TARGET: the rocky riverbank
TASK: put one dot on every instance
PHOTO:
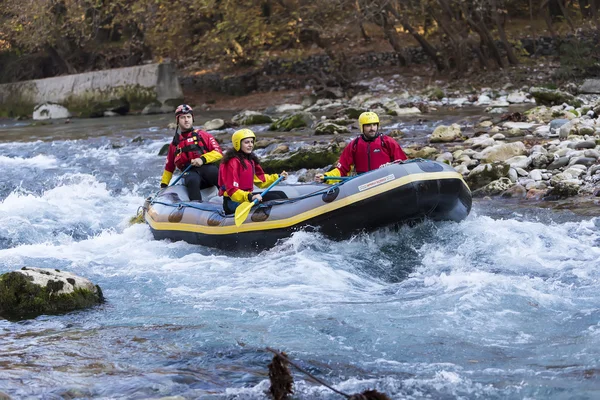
(548, 151)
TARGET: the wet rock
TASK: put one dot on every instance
(550, 97)
(519, 162)
(562, 189)
(30, 292)
(50, 111)
(251, 118)
(501, 152)
(515, 191)
(539, 160)
(426, 152)
(294, 121)
(445, 133)
(305, 158)
(587, 161)
(164, 150)
(558, 163)
(329, 128)
(483, 174)
(214, 124)
(493, 188)
(584, 144)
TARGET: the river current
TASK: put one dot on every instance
(504, 305)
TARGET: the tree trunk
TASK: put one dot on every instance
(361, 22)
(545, 9)
(512, 59)
(566, 14)
(392, 37)
(427, 47)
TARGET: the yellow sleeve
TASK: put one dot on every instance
(269, 179)
(212, 156)
(333, 172)
(166, 177)
(240, 196)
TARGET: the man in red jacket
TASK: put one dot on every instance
(192, 147)
(367, 152)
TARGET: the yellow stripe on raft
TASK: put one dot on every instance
(296, 219)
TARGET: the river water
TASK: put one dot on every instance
(504, 305)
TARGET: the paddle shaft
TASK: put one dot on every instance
(242, 211)
(181, 175)
(337, 178)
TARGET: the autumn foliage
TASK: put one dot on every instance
(42, 38)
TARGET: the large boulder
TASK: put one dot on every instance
(551, 97)
(294, 121)
(30, 292)
(501, 152)
(445, 133)
(483, 174)
(305, 158)
(251, 118)
(330, 128)
(50, 111)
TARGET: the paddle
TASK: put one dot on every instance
(181, 175)
(242, 211)
(337, 178)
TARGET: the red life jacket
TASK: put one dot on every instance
(233, 176)
(370, 155)
(186, 149)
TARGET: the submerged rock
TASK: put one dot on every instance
(31, 292)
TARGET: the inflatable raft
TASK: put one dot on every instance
(398, 193)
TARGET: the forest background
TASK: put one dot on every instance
(42, 38)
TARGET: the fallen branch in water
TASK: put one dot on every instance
(285, 376)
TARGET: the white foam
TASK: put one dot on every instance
(39, 161)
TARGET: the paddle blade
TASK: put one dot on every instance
(241, 212)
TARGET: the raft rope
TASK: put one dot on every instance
(278, 202)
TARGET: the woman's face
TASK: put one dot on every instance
(247, 145)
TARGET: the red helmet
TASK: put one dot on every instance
(183, 109)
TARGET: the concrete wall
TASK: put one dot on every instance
(152, 81)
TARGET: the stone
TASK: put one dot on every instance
(329, 128)
(293, 121)
(251, 118)
(561, 190)
(515, 191)
(50, 111)
(548, 97)
(486, 173)
(493, 188)
(590, 86)
(214, 124)
(445, 133)
(30, 292)
(501, 152)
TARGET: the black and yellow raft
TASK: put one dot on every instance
(398, 193)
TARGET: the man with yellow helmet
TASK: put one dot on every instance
(367, 152)
(192, 147)
(240, 171)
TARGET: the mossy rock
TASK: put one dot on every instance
(251, 118)
(164, 150)
(330, 128)
(22, 297)
(352, 113)
(301, 159)
(484, 174)
(294, 121)
(553, 97)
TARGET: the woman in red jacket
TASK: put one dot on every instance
(240, 171)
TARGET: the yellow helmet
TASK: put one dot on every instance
(240, 135)
(367, 118)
